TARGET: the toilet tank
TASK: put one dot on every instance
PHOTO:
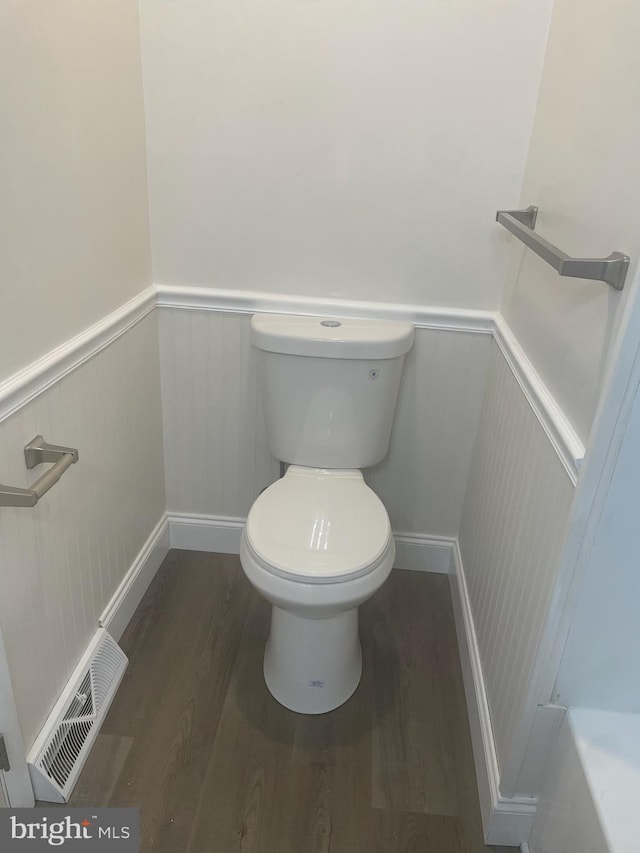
(329, 387)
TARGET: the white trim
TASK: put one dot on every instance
(505, 820)
(486, 759)
(249, 302)
(127, 597)
(212, 533)
(424, 553)
(32, 380)
(560, 432)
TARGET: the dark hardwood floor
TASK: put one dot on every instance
(217, 765)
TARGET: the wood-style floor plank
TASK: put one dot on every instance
(248, 764)
(408, 832)
(331, 773)
(102, 770)
(418, 699)
(216, 764)
(422, 755)
(190, 632)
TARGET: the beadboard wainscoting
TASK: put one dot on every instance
(517, 507)
(216, 456)
(63, 560)
(163, 401)
(423, 478)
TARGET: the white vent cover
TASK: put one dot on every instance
(57, 756)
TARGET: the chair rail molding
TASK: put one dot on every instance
(29, 382)
(560, 432)
(250, 302)
(20, 388)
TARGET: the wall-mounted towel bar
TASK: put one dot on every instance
(613, 269)
(36, 452)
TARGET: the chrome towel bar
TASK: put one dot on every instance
(36, 452)
(521, 223)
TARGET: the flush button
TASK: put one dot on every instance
(332, 324)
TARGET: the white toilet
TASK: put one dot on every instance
(317, 543)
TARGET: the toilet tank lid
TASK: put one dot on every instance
(331, 337)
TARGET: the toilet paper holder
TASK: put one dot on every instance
(36, 452)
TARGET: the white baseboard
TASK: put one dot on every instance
(505, 821)
(216, 534)
(127, 597)
(424, 553)
(222, 534)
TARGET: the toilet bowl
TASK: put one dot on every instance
(318, 542)
(316, 545)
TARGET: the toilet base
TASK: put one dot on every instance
(312, 666)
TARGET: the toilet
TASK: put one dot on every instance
(317, 543)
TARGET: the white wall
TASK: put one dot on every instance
(599, 666)
(61, 561)
(517, 504)
(582, 173)
(73, 215)
(216, 457)
(357, 151)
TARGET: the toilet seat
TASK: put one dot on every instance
(318, 526)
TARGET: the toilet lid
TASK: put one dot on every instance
(318, 525)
